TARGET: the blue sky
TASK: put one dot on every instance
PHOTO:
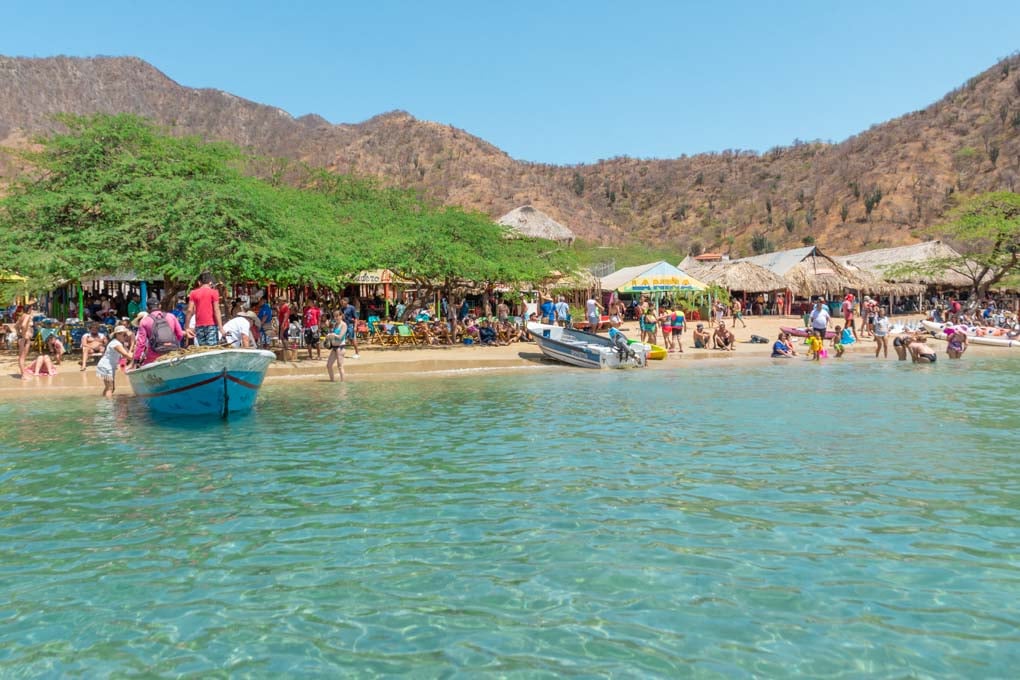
(557, 82)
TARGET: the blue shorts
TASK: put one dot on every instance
(207, 335)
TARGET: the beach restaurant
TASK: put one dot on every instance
(655, 279)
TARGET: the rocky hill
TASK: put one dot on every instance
(874, 189)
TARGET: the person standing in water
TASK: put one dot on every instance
(336, 340)
(881, 332)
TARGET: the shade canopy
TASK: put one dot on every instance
(743, 276)
(651, 278)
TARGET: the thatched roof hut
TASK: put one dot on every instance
(740, 275)
(876, 262)
(529, 221)
(810, 272)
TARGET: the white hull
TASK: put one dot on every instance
(938, 330)
(586, 350)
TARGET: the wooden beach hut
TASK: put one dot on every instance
(740, 277)
(531, 222)
(878, 262)
(809, 272)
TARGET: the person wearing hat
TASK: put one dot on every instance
(106, 369)
(238, 331)
(548, 310)
(700, 337)
(137, 321)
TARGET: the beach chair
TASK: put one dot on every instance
(374, 334)
(405, 336)
(361, 328)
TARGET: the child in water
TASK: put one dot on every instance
(837, 342)
(815, 346)
(842, 338)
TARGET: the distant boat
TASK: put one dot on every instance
(213, 382)
(586, 350)
(977, 335)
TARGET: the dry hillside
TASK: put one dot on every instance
(871, 190)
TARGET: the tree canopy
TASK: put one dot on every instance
(985, 229)
(114, 194)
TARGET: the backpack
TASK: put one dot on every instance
(162, 338)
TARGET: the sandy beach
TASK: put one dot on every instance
(381, 363)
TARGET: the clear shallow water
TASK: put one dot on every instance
(839, 520)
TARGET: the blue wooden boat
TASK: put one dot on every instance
(214, 382)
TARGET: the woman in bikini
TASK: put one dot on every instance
(957, 344)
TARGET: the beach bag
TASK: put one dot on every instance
(162, 338)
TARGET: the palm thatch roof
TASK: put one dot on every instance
(878, 261)
(740, 275)
(810, 272)
(529, 221)
(578, 280)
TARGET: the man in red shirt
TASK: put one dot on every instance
(204, 306)
(311, 324)
(283, 321)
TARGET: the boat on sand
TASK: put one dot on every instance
(804, 332)
(978, 335)
(202, 381)
(587, 350)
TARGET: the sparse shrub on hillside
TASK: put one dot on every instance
(696, 248)
(855, 188)
(808, 240)
(699, 179)
(790, 223)
(578, 184)
(760, 243)
(871, 201)
(993, 153)
(844, 212)
(809, 217)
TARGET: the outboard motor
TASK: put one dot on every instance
(620, 344)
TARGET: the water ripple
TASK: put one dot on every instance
(837, 520)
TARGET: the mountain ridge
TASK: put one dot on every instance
(876, 188)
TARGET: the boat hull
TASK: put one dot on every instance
(803, 332)
(208, 383)
(973, 337)
(583, 349)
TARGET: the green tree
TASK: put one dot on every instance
(985, 229)
(115, 194)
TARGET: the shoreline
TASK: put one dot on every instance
(387, 363)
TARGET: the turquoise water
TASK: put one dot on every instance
(846, 520)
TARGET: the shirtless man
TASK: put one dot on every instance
(92, 343)
(723, 338)
(25, 328)
(700, 337)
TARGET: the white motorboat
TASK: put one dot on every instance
(587, 350)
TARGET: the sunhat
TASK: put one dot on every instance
(138, 318)
(120, 329)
